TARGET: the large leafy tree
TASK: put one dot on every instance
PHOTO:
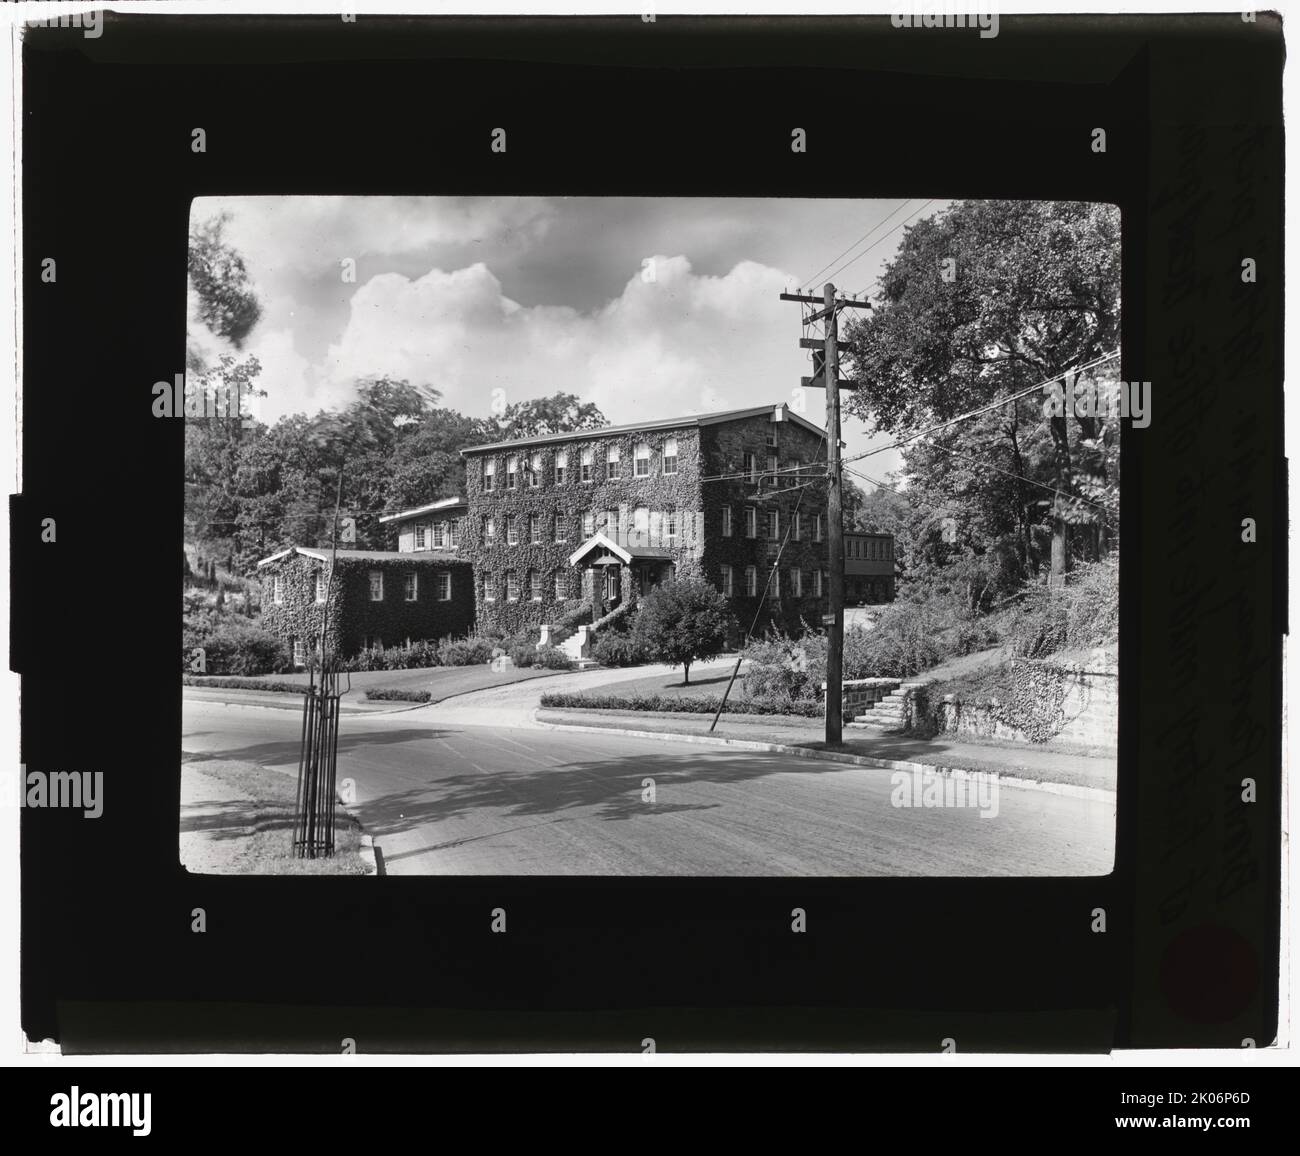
(536, 417)
(227, 303)
(981, 301)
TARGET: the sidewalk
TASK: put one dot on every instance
(1047, 765)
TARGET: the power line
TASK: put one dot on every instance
(807, 282)
(883, 239)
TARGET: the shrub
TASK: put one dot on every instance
(1082, 613)
(779, 668)
(396, 694)
(679, 704)
(614, 649)
(523, 655)
(233, 645)
(245, 684)
(552, 658)
(682, 621)
(464, 651)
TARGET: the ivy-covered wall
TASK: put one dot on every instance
(724, 449)
(353, 616)
(570, 500)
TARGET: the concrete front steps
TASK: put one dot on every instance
(889, 715)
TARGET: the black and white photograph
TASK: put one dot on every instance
(618, 536)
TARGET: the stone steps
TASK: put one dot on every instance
(890, 713)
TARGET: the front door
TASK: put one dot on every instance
(611, 586)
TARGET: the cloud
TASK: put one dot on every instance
(671, 342)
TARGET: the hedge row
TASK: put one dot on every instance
(395, 694)
(245, 684)
(707, 704)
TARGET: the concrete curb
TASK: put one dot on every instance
(1069, 790)
(367, 853)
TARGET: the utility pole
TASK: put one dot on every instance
(826, 375)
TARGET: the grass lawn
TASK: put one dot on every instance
(440, 681)
(237, 819)
(705, 684)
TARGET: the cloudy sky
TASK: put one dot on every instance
(649, 307)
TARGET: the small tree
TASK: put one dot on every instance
(683, 621)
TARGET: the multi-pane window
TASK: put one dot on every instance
(588, 524)
(612, 464)
(512, 472)
(751, 581)
(670, 456)
(561, 466)
(774, 523)
(796, 583)
(727, 581)
(751, 467)
(535, 585)
(412, 591)
(640, 525)
(512, 586)
(453, 533)
(796, 526)
(534, 529)
(512, 534)
(376, 585)
(489, 531)
(489, 587)
(751, 522)
(821, 582)
(420, 535)
(586, 464)
(299, 651)
(726, 521)
(817, 527)
(560, 534)
(441, 533)
(442, 585)
(771, 437)
(321, 584)
(774, 585)
(489, 474)
(611, 525)
(641, 461)
(771, 463)
(535, 470)
(561, 586)
(670, 522)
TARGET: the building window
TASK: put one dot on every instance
(641, 461)
(774, 523)
(751, 581)
(512, 471)
(821, 581)
(557, 528)
(774, 585)
(442, 585)
(535, 471)
(534, 529)
(771, 436)
(751, 467)
(561, 586)
(641, 526)
(489, 587)
(490, 532)
(512, 587)
(726, 521)
(670, 456)
(412, 586)
(489, 474)
(771, 464)
(453, 533)
(535, 585)
(441, 534)
(586, 464)
(796, 526)
(612, 464)
(420, 535)
(796, 583)
(376, 585)
(588, 524)
(751, 522)
(611, 525)
(670, 520)
(727, 581)
(277, 588)
(512, 534)
(299, 650)
(817, 527)
(561, 467)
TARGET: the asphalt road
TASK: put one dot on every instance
(443, 793)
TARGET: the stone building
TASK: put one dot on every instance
(590, 520)
(868, 568)
(378, 598)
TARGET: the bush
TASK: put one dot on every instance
(679, 704)
(1082, 613)
(779, 668)
(233, 645)
(464, 651)
(395, 694)
(552, 658)
(614, 649)
(683, 621)
(245, 684)
(523, 655)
